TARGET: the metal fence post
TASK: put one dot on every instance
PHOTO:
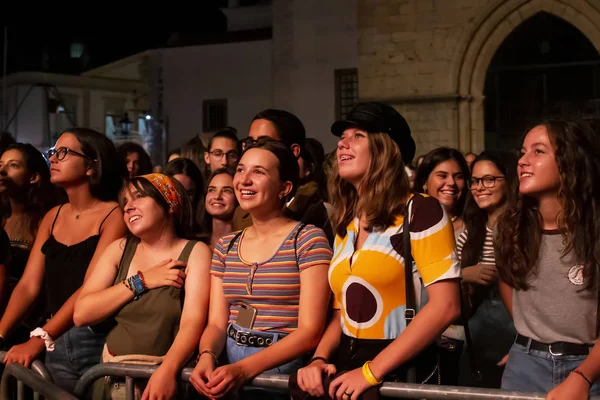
(47, 389)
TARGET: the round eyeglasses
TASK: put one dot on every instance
(488, 181)
(62, 152)
(232, 155)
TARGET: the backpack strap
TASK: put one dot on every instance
(411, 306)
(232, 241)
(300, 228)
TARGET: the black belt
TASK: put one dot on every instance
(251, 339)
(557, 348)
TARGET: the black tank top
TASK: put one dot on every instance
(66, 266)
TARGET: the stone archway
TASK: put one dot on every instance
(479, 45)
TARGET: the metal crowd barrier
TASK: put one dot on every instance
(395, 390)
(47, 389)
(36, 366)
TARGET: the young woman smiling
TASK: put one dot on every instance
(269, 291)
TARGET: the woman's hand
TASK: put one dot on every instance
(481, 274)
(25, 353)
(162, 385)
(349, 385)
(573, 388)
(225, 379)
(166, 273)
(203, 369)
(310, 378)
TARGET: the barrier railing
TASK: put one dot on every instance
(396, 390)
(36, 366)
(47, 389)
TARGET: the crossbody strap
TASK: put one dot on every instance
(411, 306)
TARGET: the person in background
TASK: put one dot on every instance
(469, 158)
(135, 158)
(187, 173)
(173, 154)
(26, 195)
(220, 205)
(194, 150)
(306, 205)
(223, 150)
(69, 241)
(420, 160)
(269, 294)
(547, 254)
(492, 185)
(155, 322)
(443, 174)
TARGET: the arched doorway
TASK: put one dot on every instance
(545, 67)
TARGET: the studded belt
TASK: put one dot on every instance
(250, 339)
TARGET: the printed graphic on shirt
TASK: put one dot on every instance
(576, 275)
(368, 283)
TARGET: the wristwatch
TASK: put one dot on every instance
(137, 284)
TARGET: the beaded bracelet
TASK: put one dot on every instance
(142, 279)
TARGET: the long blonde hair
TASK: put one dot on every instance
(383, 190)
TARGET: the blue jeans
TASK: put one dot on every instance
(235, 353)
(75, 352)
(539, 371)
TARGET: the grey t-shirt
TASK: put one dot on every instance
(554, 309)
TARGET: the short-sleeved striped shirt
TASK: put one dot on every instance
(275, 288)
(487, 254)
(368, 283)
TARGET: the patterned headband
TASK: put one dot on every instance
(167, 188)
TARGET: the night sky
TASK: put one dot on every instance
(46, 45)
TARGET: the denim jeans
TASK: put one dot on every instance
(539, 371)
(234, 353)
(75, 352)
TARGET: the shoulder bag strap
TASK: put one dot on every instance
(411, 306)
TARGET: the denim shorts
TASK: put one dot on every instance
(75, 352)
(539, 371)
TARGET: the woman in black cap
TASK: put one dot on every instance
(367, 340)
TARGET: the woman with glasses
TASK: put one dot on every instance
(494, 175)
(70, 239)
(222, 151)
(269, 294)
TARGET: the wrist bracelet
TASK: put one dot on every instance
(366, 370)
(143, 280)
(214, 356)
(578, 372)
(312, 360)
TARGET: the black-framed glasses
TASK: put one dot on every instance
(488, 181)
(232, 155)
(62, 152)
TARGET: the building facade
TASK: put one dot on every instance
(473, 74)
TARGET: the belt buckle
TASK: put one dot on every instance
(552, 352)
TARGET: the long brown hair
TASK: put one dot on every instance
(519, 235)
(383, 190)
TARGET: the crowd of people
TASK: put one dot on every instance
(341, 270)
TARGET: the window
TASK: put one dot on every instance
(214, 115)
(346, 91)
(77, 50)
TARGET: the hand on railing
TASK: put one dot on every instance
(310, 377)
(165, 273)
(25, 353)
(162, 385)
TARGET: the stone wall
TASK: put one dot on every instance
(429, 58)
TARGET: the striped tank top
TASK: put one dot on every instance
(272, 287)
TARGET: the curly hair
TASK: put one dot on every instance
(383, 189)
(475, 218)
(577, 155)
